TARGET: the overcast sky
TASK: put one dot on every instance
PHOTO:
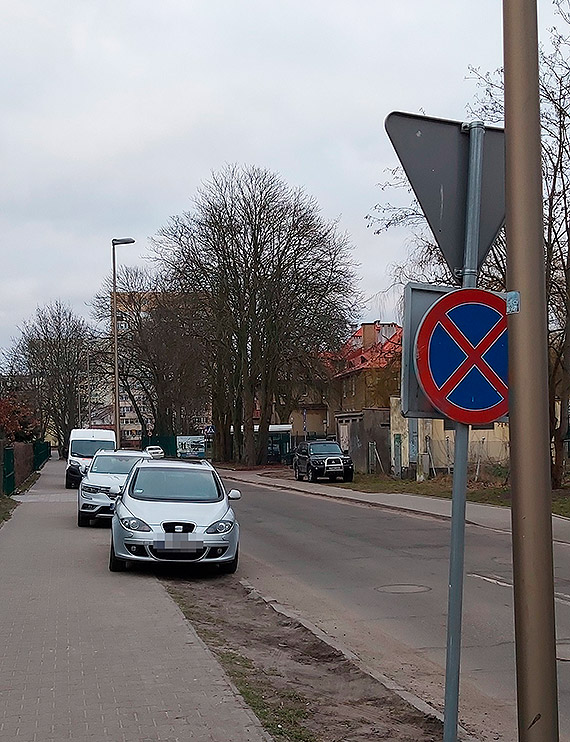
(114, 111)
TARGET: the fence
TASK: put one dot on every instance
(42, 452)
(19, 461)
(9, 472)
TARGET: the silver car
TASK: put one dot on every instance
(174, 511)
(107, 471)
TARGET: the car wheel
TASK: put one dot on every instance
(82, 519)
(228, 568)
(298, 475)
(348, 477)
(115, 564)
(311, 476)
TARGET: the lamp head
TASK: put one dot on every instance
(122, 241)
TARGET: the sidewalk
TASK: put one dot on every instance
(91, 656)
(486, 516)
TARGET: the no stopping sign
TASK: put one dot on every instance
(461, 356)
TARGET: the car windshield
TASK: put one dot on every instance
(87, 449)
(325, 448)
(179, 485)
(113, 464)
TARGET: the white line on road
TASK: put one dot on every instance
(560, 597)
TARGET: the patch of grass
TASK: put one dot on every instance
(438, 487)
(29, 482)
(7, 505)
(281, 713)
(481, 492)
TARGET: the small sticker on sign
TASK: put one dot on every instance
(513, 302)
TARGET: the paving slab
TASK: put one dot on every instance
(91, 656)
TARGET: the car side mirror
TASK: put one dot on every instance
(234, 495)
(115, 490)
(345, 452)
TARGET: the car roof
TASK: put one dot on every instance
(175, 464)
(121, 452)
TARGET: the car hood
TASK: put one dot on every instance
(105, 480)
(154, 512)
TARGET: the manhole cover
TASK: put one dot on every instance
(563, 651)
(403, 589)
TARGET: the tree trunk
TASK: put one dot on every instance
(248, 433)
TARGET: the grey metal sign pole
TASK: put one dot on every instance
(535, 637)
(455, 597)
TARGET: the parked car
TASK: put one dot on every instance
(273, 453)
(314, 459)
(174, 511)
(108, 469)
(156, 452)
(83, 444)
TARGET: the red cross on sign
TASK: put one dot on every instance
(461, 356)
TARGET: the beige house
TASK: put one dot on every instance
(422, 446)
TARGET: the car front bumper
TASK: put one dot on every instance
(323, 469)
(158, 546)
(98, 506)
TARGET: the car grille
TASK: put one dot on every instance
(171, 527)
(170, 554)
(333, 461)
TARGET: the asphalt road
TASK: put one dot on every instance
(376, 580)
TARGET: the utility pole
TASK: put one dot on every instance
(535, 637)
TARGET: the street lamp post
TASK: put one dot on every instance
(114, 243)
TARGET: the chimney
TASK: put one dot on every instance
(368, 334)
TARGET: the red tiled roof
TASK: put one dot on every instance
(376, 356)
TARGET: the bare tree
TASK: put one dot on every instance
(50, 356)
(276, 286)
(161, 352)
(425, 259)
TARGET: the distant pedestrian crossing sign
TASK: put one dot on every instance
(461, 356)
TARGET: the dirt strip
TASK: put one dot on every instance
(301, 689)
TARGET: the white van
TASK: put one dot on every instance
(83, 445)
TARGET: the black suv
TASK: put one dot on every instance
(315, 459)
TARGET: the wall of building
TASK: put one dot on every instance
(436, 439)
(313, 421)
(356, 430)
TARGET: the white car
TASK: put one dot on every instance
(156, 452)
(83, 445)
(108, 471)
(174, 511)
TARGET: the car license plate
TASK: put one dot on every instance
(179, 542)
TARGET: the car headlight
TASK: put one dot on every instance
(221, 526)
(73, 462)
(134, 524)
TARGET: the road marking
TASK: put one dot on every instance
(560, 597)
(494, 580)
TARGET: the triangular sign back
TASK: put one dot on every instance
(435, 156)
